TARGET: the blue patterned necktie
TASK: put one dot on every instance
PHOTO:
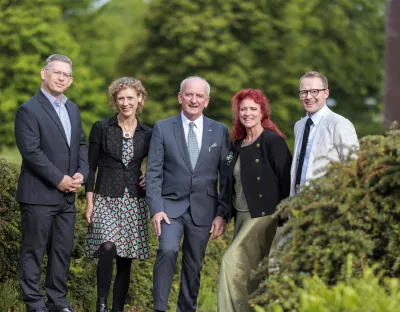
(193, 145)
(65, 121)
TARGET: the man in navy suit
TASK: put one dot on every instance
(49, 136)
(187, 153)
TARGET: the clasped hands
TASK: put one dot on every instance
(218, 225)
(71, 184)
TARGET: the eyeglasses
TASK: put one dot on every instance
(58, 73)
(313, 92)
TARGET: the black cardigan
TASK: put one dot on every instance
(265, 173)
(105, 154)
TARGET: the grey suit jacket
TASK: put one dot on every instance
(46, 156)
(334, 140)
(171, 183)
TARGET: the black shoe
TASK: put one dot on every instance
(69, 309)
(43, 309)
(101, 305)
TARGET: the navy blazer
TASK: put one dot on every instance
(46, 156)
(171, 183)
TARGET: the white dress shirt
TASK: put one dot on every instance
(316, 119)
(198, 129)
(64, 116)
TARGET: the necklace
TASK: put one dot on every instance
(126, 133)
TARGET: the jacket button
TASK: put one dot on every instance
(257, 160)
(260, 195)
(258, 178)
(191, 192)
(258, 145)
(263, 213)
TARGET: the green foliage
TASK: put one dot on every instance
(82, 275)
(369, 293)
(9, 296)
(104, 34)
(29, 32)
(11, 155)
(261, 44)
(10, 234)
(354, 209)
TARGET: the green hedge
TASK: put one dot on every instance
(369, 293)
(10, 234)
(82, 275)
(354, 209)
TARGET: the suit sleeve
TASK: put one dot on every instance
(345, 139)
(94, 151)
(83, 167)
(27, 135)
(281, 160)
(154, 171)
(223, 200)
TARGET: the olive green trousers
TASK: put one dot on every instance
(251, 243)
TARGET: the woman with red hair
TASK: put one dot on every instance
(259, 174)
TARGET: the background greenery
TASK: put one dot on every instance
(353, 210)
(265, 44)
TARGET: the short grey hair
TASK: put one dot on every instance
(58, 57)
(195, 77)
(315, 74)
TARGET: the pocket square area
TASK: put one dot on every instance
(214, 145)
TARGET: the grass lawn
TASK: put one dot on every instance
(11, 154)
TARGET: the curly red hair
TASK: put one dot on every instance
(238, 130)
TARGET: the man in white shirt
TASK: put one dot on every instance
(187, 152)
(321, 136)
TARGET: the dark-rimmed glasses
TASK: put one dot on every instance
(313, 92)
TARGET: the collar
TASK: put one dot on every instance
(316, 118)
(114, 121)
(52, 99)
(198, 122)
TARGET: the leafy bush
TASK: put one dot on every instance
(82, 275)
(354, 209)
(10, 234)
(370, 293)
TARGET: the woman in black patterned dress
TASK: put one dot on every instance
(116, 207)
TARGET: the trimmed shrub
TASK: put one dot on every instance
(82, 275)
(370, 293)
(353, 209)
(10, 235)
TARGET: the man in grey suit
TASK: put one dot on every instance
(321, 136)
(49, 136)
(187, 152)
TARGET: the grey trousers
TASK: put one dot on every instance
(195, 239)
(252, 242)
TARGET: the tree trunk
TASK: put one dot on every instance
(392, 56)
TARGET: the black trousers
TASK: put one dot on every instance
(46, 229)
(195, 239)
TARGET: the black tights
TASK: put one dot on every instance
(108, 252)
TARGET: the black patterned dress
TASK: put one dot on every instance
(122, 221)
